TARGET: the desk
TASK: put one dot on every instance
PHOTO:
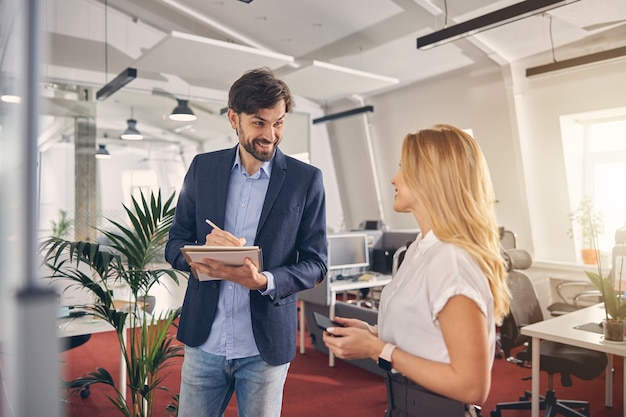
(561, 329)
(342, 286)
(74, 326)
(88, 324)
(335, 287)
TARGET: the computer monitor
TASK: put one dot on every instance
(348, 250)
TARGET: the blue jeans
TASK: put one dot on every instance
(208, 382)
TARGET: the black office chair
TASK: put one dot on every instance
(555, 358)
(71, 342)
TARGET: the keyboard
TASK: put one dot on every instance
(70, 312)
(358, 277)
(341, 277)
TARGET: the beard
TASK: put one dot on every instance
(260, 155)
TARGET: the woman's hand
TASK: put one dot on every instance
(355, 341)
(360, 324)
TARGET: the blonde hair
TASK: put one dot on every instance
(445, 169)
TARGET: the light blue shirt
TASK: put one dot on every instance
(231, 334)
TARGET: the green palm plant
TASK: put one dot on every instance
(62, 227)
(149, 347)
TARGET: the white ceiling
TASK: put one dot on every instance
(325, 49)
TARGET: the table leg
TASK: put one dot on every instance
(608, 381)
(302, 328)
(331, 314)
(536, 346)
(123, 364)
(624, 388)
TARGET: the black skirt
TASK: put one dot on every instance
(405, 398)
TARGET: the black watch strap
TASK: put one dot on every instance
(384, 359)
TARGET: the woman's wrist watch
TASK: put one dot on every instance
(384, 359)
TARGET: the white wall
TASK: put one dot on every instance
(540, 104)
(516, 122)
(476, 100)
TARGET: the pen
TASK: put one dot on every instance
(213, 225)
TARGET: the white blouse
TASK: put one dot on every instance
(432, 272)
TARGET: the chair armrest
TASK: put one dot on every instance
(593, 297)
(574, 295)
(585, 287)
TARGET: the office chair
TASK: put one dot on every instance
(508, 239)
(71, 342)
(398, 257)
(572, 296)
(364, 300)
(555, 358)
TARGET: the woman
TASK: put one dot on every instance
(436, 322)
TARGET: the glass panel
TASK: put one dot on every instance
(609, 183)
(607, 136)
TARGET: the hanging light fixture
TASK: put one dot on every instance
(123, 77)
(131, 133)
(8, 95)
(488, 21)
(102, 152)
(182, 112)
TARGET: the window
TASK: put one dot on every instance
(136, 182)
(605, 174)
(594, 147)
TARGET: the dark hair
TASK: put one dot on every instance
(258, 89)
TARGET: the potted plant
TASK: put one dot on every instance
(612, 290)
(143, 339)
(590, 224)
(62, 227)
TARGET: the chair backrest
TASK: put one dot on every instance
(525, 310)
(508, 239)
(398, 257)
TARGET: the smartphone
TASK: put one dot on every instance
(324, 322)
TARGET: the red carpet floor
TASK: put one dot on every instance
(313, 389)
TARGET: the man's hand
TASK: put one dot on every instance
(219, 237)
(246, 275)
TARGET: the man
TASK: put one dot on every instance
(240, 331)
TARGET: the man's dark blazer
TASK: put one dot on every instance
(291, 234)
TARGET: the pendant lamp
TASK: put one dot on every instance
(182, 112)
(102, 152)
(131, 133)
(8, 95)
